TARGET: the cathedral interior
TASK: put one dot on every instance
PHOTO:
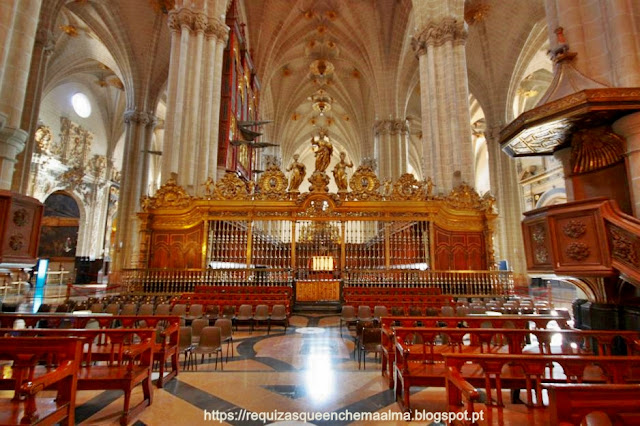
(323, 159)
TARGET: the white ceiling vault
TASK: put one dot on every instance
(334, 64)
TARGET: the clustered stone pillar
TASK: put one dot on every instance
(138, 129)
(392, 147)
(505, 188)
(444, 94)
(198, 39)
(629, 128)
(18, 24)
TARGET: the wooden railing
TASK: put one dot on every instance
(456, 283)
(176, 281)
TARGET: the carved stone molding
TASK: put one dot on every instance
(392, 127)
(438, 33)
(46, 39)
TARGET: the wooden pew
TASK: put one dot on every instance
(27, 379)
(508, 371)
(390, 323)
(165, 347)
(119, 359)
(569, 403)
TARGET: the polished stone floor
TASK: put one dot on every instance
(310, 369)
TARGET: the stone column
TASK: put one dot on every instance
(137, 129)
(629, 128)
(18, 23)
(392, 147)
(444, 93)
(42, 50)
(506, 190)
(198, 38)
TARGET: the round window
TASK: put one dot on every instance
(81, 105)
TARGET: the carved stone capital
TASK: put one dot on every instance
(390, 127)
(197, 22)
(218, 29)
(46, 40)
(140, 117)
(438, 33)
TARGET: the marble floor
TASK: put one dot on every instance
(308, 370)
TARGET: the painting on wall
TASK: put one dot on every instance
(58, 243)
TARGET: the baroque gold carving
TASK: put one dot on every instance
(231, 187)
(44, 137)
(364, 184)
(319, 182)
(169, 195)
(272, 184)
(595, 148)
(464, 196)
(407, 188)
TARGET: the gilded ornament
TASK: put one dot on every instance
(464, 196)
(272, 184)
(407, 188)
(319, 182)
(364, 184)
(538, 233)
(231, 187)
(169, 195)
(44, 138)
(574, 229)
(298, 172)
(577, 251)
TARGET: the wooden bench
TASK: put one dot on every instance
(27, 379)
(569, 403)
(165, 347)
(508, 371)
(118, 359)
(390, 323)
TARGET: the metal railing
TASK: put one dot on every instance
(456, 283)
(176, 281)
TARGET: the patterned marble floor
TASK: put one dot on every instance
(310, 369)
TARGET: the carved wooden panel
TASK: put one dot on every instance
(177, 248)
(459, 250)
(537, 244)
(314, 291)
(579, 242)
(20, 219)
